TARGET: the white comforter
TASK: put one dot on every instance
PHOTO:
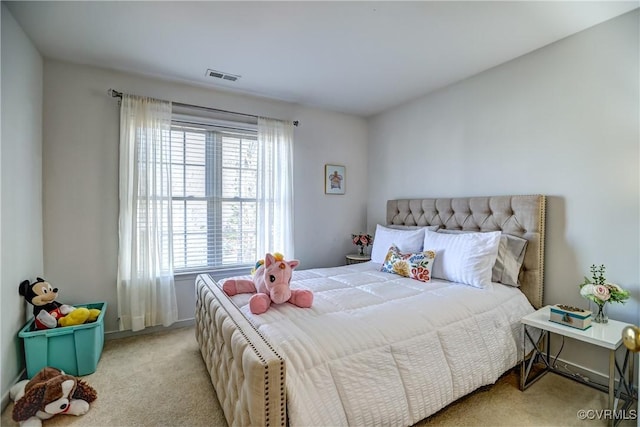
(380, 349)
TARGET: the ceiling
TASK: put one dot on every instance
(355, 57)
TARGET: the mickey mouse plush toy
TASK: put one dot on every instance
(46, 309)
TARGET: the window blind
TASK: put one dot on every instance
(214, 179)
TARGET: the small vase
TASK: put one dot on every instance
(361, 250)
(601, 316)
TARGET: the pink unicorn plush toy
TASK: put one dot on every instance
(271, 281)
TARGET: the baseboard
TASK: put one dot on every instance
(586, 374)
(5, 396)
(124, 334)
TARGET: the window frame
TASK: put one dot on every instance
(214, 132)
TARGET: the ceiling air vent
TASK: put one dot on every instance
(221, 75)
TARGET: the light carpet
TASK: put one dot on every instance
(160, 379)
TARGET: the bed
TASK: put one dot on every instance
(376, 348)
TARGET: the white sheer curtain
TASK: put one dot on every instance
(275, 187)
(146, 288)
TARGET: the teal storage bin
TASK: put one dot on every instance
(74, 349)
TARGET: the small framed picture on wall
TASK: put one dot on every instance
(334, 179)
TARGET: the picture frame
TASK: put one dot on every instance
(334, 179)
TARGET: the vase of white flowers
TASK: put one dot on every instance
(598, 291)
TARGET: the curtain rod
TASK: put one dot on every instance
(115, 94)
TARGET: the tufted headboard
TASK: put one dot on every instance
(522, 216)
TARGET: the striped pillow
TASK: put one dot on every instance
(511, 251)
(464, 258)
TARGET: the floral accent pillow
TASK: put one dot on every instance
(413, 265)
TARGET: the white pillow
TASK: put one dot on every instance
(464, 258)
(511, 251)
(405, 240)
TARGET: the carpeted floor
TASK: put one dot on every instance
(160, 380)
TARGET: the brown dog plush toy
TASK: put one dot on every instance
(50, 392)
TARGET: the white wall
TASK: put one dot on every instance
(561, 121)
(21, 187)
(80, 170)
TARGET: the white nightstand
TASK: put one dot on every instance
(608, 335)
(357, 258)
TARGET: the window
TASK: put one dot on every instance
(214, 181)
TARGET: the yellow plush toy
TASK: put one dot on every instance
(79, 316)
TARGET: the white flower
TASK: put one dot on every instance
(586, 290)
(601, 292)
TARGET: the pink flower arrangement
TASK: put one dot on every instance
(599, 291)
(362, 239)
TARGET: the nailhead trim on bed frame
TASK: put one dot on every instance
(267, 357)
